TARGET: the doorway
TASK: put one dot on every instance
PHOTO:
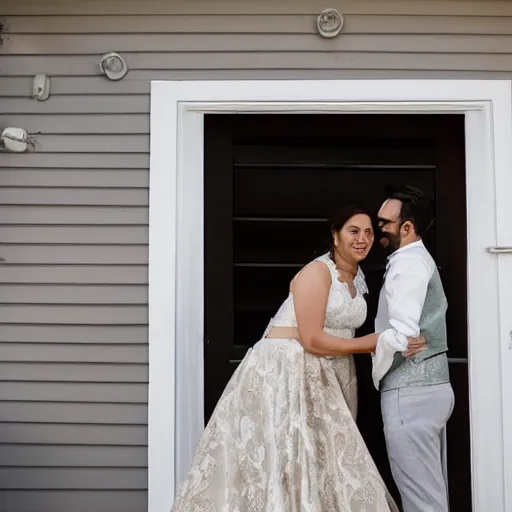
(270, 182)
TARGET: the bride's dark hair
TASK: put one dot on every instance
(339, 219)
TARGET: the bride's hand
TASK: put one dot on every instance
(416, 346)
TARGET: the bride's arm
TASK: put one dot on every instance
(310, 293)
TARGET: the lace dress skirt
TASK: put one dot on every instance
(283, 439)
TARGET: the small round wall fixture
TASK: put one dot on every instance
(329, 23)
(113, 66)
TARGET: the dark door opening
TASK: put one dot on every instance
(271, 181)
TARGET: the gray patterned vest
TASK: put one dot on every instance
(431, 366)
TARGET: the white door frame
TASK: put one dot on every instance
(176, 293)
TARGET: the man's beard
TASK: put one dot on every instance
(392, 242)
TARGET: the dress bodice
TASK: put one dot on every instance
(343, 314)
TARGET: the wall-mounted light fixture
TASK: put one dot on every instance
(15, 140)
(41, 87)
(329, 23)
(113, 66)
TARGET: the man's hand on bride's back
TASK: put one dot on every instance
(416, 346)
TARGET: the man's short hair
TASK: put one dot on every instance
(415, 206)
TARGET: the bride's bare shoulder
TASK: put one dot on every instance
(315, 272)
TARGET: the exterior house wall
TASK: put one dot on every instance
(74, 210)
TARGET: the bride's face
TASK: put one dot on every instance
(355, 239)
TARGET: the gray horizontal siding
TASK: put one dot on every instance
(73, 478)
(72, 434)
(75, 234)
(73, 392)
(67, 456)
(38, 371)
(73, 314)
(73, 254)
(79, 333)
(72, 500)
(85, 178)
(81, 353)
(83, 124)
(263, 7)
(76, 294)
(76, 160)
(140, 63)
(74, 274)
(88, 104)
(207, 44)
(74, 412)
(82, 215)
(74, 196)
(74, 210)
(481, 24)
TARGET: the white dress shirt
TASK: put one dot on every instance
(401, 301)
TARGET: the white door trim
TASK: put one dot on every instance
(176, 299)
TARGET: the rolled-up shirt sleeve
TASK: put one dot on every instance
(406, 287)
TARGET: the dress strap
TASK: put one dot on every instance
(359, 279)
(325, 258)
(360, 282)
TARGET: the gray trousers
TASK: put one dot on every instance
(415, 430)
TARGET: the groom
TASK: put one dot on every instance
(416, 396)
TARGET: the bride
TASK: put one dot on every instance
(283, 436)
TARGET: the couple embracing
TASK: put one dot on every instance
(283, 436)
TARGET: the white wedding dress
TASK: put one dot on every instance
(283, 436)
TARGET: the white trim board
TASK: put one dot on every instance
(176, 328)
